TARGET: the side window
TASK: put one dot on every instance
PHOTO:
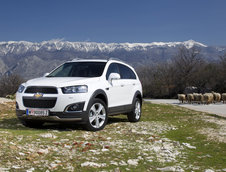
(113, 68)
(126, 72)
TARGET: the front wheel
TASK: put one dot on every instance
(97, 115)
(135, 115)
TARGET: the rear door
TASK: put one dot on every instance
(129, 82)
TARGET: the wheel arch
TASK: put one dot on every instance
(100, 94)
(138, 95)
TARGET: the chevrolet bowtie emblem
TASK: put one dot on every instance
(38, 95)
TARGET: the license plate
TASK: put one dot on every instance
(37, 112)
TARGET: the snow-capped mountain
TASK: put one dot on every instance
(22, 47)
(32, 59)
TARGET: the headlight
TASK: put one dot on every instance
(75, 89)
(21, 89)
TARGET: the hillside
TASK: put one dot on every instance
(34, 59)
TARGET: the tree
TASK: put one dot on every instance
(221, 75)
(186, 64)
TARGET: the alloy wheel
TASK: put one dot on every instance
(97, 115)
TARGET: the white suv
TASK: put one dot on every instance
(82, 91)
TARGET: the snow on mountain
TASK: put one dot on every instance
(33, 59)
(21, 47)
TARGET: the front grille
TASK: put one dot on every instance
(46, 90)
(44, 102)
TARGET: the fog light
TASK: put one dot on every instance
(75, 107)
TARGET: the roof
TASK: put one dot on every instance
(89, 60)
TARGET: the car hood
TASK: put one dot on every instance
(60, 81)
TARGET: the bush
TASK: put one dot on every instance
(9, 84)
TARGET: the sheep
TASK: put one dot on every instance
(216, 97)
(190, 98)
(223, 97)
(208, 98)
(198, 98)
(181, 97)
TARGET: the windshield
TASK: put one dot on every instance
(79, 69)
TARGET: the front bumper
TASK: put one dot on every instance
(78, 117)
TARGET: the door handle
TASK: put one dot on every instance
(134, 84)
(122, 85)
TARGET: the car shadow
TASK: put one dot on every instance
(115, 119)
(15, 124)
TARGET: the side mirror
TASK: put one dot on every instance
(46, 74)
(113, 76)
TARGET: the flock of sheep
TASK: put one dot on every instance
(206, 98)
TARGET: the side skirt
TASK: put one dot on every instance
(120, 109)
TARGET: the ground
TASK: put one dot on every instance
(168, 138)
(214, 108)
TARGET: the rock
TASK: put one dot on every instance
(122, 163)
(30, 170)
(64, 140)
(150, 160)
(209, 170)
(117, 170)
(189, 146)
(156, 148)
(133, 162)
(31, 156)
(114, 163)
(104, 150)
(133, 131)
(21, 153)
(53, 165)
(92, 164)
(57, 161)
(16, 167)
(43, 151)
(67, 146)
(48, 135)
(167, 169)
(4, 169)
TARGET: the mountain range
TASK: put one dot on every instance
(31, 59)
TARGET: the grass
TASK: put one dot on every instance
(158, 141)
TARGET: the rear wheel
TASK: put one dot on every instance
(135, 115)
(97, 115)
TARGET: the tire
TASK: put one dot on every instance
(97, 115)
(32, 124)
(135, 115)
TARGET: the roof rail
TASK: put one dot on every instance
(75, 59)
(112, 58)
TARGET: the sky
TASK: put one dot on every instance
(114, 20)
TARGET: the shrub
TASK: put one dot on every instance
(9, 84)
